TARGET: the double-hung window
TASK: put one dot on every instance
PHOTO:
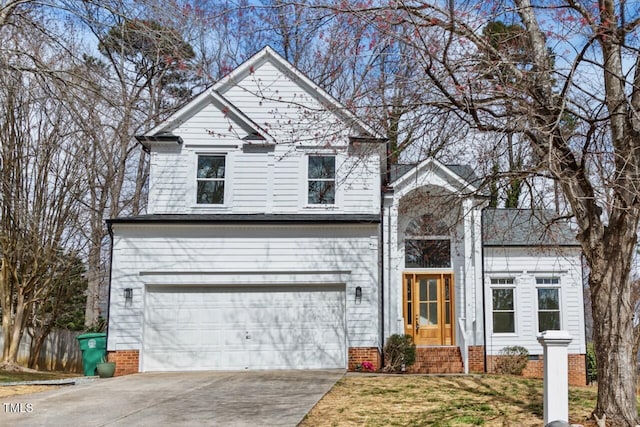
(502, 298)
(321, 180)
(210, 179)
(548, 303)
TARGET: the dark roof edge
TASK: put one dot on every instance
(147, 140)
(248, 218)
(158, 138)
(533, 245)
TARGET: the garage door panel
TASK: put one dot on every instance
(260, 328)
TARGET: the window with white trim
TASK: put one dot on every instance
(321, 180)
(503, 305)
(210, 179)
(548, 289)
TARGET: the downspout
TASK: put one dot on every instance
(110, 231)
(484, 302)
(387, 179)
(382, 282)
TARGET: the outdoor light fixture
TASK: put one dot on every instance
(358, 293)
(128, 294)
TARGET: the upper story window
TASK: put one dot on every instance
(548, 304)
(503, 305)
(427, 243)
(210, 178)
(321, 178)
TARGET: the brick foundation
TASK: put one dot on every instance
(535, 368)
(127, 361)
(357, 355)
(476, 359)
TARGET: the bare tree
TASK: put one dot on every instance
(39, 185)
(584, 68)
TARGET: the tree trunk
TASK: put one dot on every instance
(94, 279)
(613, 332)
(37, 341)
(14, 336)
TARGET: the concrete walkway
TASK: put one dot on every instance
(253, 398)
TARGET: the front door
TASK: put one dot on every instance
(428, 308)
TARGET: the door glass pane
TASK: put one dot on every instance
(433, 313)
(409, 307)
(447, 290)
(424, 310)
(447, 313)
(433, 290)
(423, 289)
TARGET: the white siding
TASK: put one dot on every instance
(289, 112)
(270, 180)
(525, 265)
(168, 173)
(244, 255)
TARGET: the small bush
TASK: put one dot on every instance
(512, 360)
(399, 353)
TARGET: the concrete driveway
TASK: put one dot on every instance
(256, 398)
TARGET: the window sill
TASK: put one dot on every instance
(321, 207)
(211, 207)
(504, 334)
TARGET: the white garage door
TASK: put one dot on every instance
(229, 329)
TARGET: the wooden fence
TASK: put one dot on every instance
(60, 352)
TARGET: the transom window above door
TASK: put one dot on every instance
(210, 179)
(427, 243)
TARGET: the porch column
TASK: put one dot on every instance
(556, 371)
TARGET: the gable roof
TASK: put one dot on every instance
(216, 92)
(463, 175)
(525, 227)
(254, 131)
(324, 98)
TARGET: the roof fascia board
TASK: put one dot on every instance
(241, 118)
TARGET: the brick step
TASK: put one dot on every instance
(437, 360)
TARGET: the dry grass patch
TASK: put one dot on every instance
(403, 400)
(14, 390)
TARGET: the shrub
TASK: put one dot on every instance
(512, 360)
(399, 353)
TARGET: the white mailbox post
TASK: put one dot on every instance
(556, 375)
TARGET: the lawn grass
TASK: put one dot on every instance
(16, 376)
(473, 400)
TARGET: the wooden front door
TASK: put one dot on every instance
(428, 308)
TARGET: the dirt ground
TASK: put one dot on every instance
(13, 390)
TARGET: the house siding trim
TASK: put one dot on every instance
(247, 218)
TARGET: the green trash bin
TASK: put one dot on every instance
(94, 348)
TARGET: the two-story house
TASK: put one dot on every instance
(271, 243)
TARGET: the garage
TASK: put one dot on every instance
(233, 328)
